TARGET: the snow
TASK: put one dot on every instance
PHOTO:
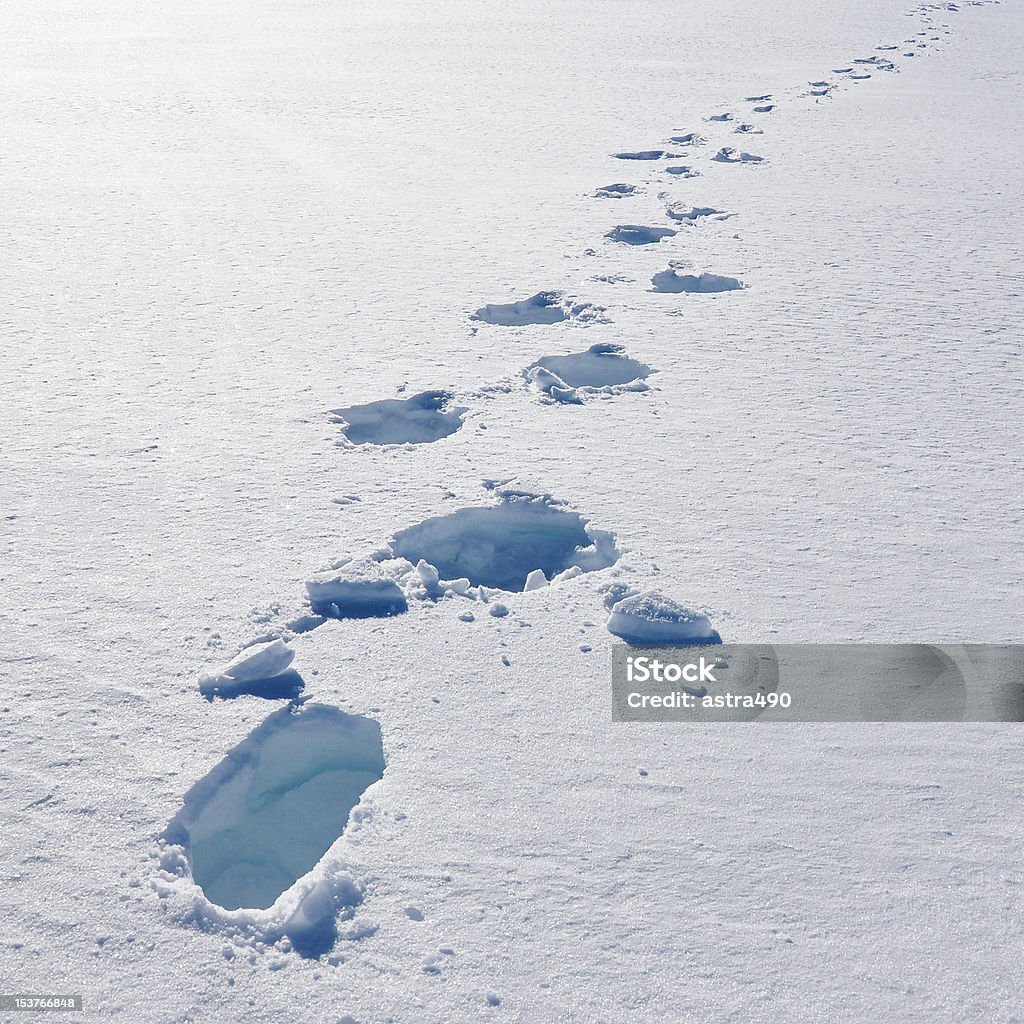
(638, 234)
(421, 419)
(651, 618)
(673, 282)
(542, 308)
(260, 669)
(265, 816)
(357, 589)
(603, 369)
(222, 222)
(504, 545)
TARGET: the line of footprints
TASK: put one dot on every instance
(247, 853)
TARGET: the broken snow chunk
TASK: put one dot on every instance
(653, 619)
(536, 580)
(359, 589)
(261, 670)
(261, 661)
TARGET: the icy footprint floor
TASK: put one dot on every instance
(840, 418)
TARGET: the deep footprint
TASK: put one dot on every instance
(602, 369)
(421, 419)
(523, 543)
(728, 155)
(637, 234)
(542, 308)
(644, 154)
(618, 190)
(692, 214)
(671, 282)
(273, 807)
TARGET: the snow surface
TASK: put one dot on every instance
(221, 222)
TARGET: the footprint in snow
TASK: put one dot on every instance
(686, 214)
(236, 839)
(645, 154)
(720, 117)
(759, 99)
(525, 542)
(617, 191)
(728, 155)
(603, 370)
(542, 308)
(682, 171)
(767, 108)
(748, 129)
(421, 419)
(672, 282)
(688, 139)
(637, 234)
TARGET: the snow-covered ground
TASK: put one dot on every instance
(228, 230)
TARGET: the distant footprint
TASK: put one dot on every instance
(269, 813)
(542, 308)
(748, 129)
(688, 139)
(524, 543)
(421, 419)
(617, 191)
(601, 370)
(720, 117)
(759, 99)
(728, 155)
(682, 171)
(765, 109)
(670, 281)
(637, 234)
(692, 214)
(644, 154)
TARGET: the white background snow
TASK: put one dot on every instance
(222, 221)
